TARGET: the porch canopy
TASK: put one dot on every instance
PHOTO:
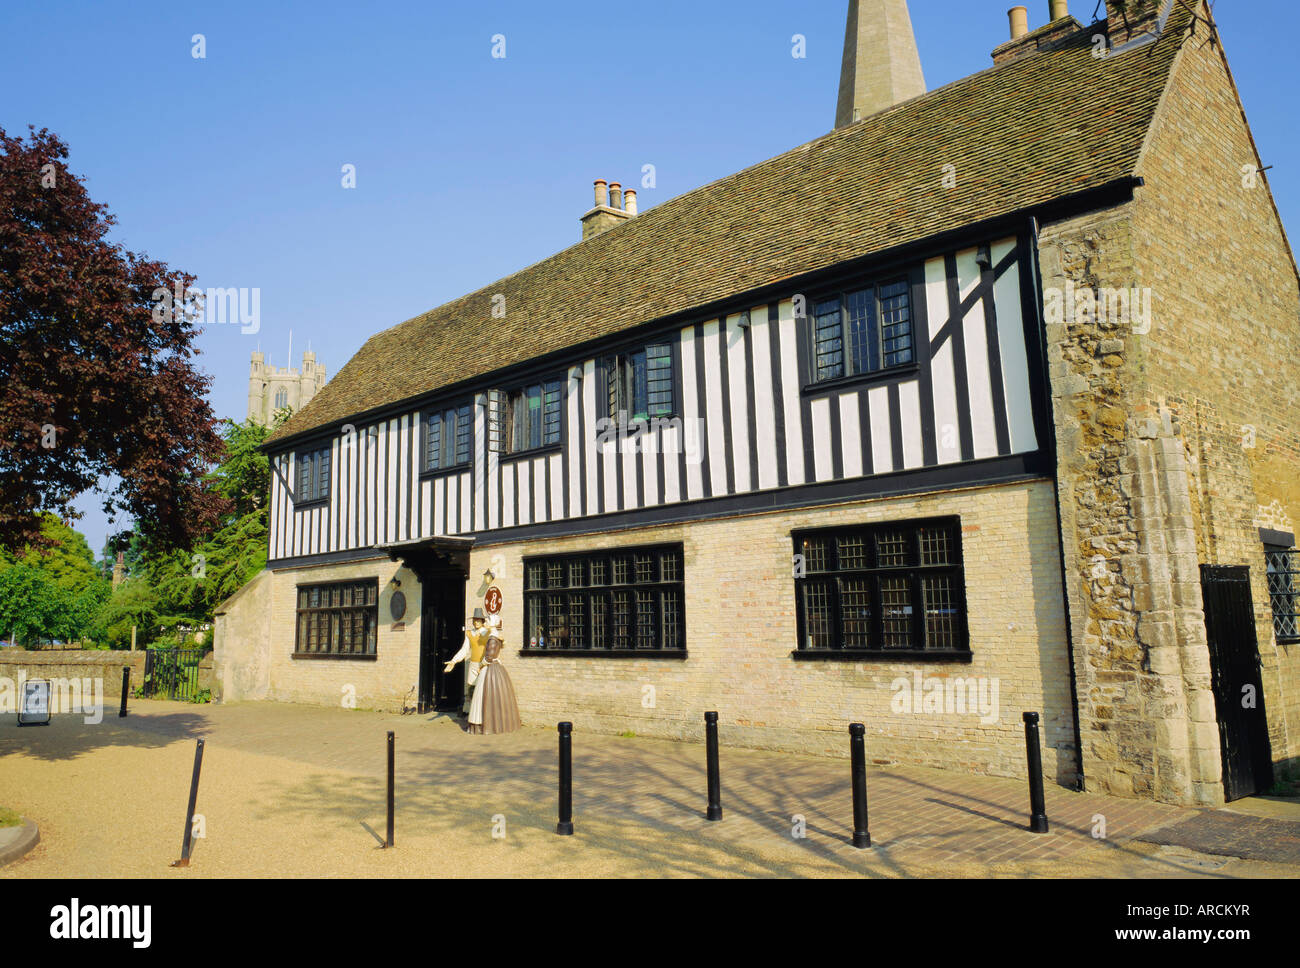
(428, 555)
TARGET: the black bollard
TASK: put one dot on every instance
(1037, 805)
(189, 811)
(858, 753)
(126, 689)
(711, 747)
(389, 842)
(565, 826)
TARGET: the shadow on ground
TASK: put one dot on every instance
(69, 735)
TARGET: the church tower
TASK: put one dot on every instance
(272, 388)
(881, 64)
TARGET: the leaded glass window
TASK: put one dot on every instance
(338, 620)
(863, 331)
(881, 589)
(625, 601)
(448, 438)
(1283, 570)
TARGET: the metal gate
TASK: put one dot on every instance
(172, 673)
(1235, 674)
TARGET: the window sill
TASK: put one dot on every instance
(1288, 639)
(319, 502)
(864, 379)
(649, 422)
(355, 657)
(534, 452)
(446, 471)
(876, 655)
(609, 653)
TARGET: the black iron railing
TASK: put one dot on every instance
(172, 673)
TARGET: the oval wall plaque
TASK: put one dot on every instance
(397, 606)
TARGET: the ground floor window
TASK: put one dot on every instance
(1283, 568)
(338, 620)
(881, 590)
(628, 601)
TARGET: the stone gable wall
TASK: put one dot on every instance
(1176, 444)
(1225, 361)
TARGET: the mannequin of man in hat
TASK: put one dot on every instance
(473, 647)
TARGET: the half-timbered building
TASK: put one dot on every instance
(839, 438)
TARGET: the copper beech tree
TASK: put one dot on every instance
(95, 386)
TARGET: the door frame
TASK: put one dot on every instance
(1233, 644)
(435, 560)
(431, 662)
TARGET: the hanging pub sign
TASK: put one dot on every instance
(35, 708)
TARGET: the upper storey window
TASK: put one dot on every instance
(863, 331)
(641, 383)
(448, 438)
(531, 417)
(313, 482)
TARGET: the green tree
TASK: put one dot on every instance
(61, 553)
(32, 606)
(244, 475)
(132, 603)
(191, 582)
(52, 589)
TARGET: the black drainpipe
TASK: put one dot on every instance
(1056, 495)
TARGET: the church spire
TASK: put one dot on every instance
(881, 63)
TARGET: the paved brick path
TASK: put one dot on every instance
(638, 803)
(1221, 832)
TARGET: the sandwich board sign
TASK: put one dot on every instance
(35, 710)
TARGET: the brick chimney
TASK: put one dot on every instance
(1024, 41)
(610, 209)
(1128, 20)
(881, 65)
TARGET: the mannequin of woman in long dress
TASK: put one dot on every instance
(494, 708)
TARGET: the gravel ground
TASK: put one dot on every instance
(111, 799)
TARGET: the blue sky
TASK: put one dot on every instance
(468, 167)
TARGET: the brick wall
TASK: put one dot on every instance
(380, 684)
(741, 629)
(740, 621)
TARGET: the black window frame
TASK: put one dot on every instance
(550, 420)
(629, 381)
(311, 486)
(597, 597)
(303, 619)
(873, 574)
(1286, 621)
(877, 362)
(462, 451)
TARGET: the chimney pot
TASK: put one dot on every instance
(1059, 9)
(1019, 22)
(629, 201)
(609, 211)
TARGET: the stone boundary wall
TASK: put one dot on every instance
(75, 664)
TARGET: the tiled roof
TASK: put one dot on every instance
(1020, 135)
